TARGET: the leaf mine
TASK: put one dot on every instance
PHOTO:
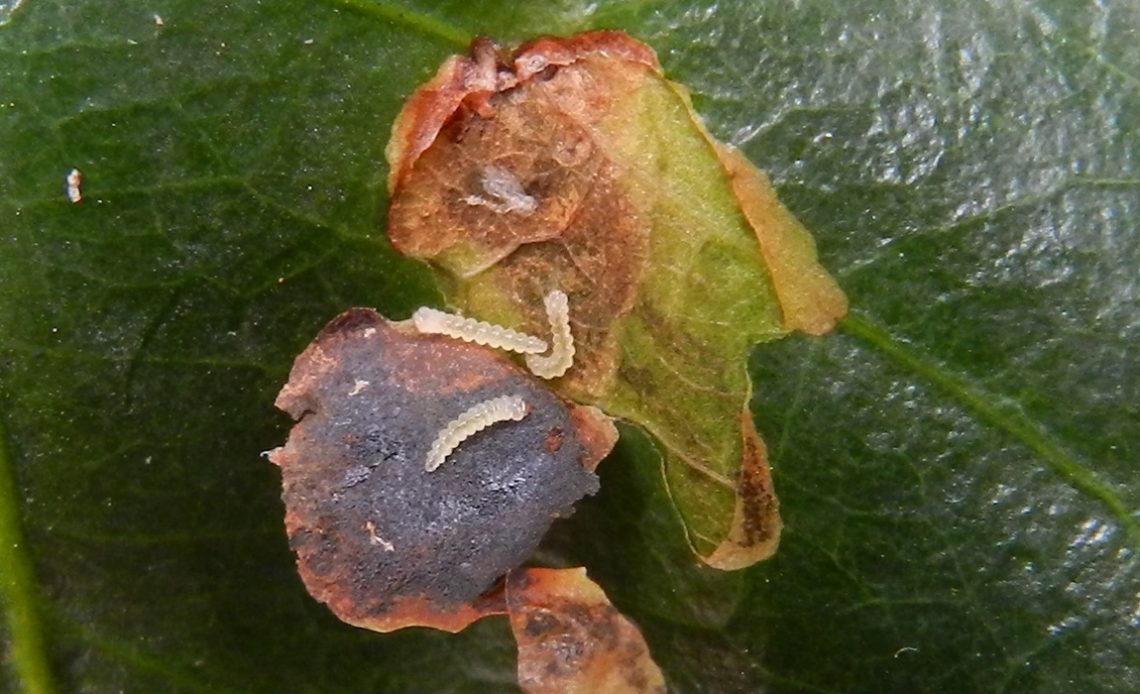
(574, 165)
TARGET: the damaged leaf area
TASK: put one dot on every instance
(573, 164)
(572, 640)
(379, 538)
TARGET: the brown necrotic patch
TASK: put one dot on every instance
(517, 187)
(572, 639)
(385, 543)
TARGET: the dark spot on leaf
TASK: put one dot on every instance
(382, 541)
(755, 490)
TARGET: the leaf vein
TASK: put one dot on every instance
(18, 590)
(1013, 422)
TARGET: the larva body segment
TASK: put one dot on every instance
(430, 320)
(561, 355)
(473, 420)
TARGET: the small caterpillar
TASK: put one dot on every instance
(473, 420)
(561, 356)
(430, 320)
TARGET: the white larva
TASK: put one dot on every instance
(473, 420)
(561, 355)
(430, 320)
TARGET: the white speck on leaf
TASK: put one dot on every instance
(504, 193)
(74, 185)
(376, 540)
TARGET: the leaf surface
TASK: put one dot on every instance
(956, 468)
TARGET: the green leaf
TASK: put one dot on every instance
(956, 468)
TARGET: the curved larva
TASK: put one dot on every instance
(561, 356)
(430, 320)
(473, 420)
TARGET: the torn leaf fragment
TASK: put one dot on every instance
(387, 544)
(572, 640)
(598, 179)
